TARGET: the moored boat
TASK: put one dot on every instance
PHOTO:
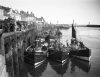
(78, 49)
(58, 52)
(36, 55)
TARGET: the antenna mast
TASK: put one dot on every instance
(73, 21)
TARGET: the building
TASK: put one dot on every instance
(40, 20)
(30, 17)
(17, 15)
(23, 16)
(4, 12)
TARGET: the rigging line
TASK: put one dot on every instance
(75, 54)
(52, 52)
(79, 34)
(33, 61)
(28, 54)
(29, 59)
(90, 39)
(71, 59)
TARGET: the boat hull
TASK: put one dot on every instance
(81, 54)
(58, 56)
(35, 57)
(32, 71)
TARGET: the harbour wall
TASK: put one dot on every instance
(12, 47)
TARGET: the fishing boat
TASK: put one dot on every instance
(58, 52)
(77, 48)
(36, 55)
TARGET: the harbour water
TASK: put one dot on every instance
(72, 67)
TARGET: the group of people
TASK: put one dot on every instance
(11, 25)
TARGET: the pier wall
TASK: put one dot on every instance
(12, 47)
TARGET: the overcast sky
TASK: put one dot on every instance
(63, 11)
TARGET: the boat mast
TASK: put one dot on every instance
(73, 31)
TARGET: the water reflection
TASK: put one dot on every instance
(36, 72)
(60, 68)
(50, 68)
(83, 65)
(49, 72)
(76, 68)
(72, 68)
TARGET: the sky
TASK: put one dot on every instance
(63, 11)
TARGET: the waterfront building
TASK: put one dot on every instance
(40, 20)
(4, 12)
